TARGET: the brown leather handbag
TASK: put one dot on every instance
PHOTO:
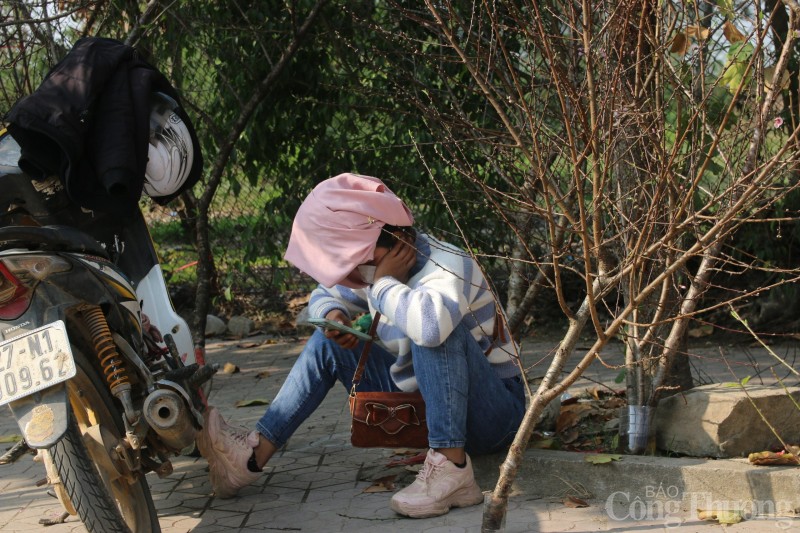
(385, 419)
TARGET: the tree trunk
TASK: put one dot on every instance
(205, 263)
(519, 271)
(638, 150)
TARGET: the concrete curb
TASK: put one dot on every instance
(695, 483)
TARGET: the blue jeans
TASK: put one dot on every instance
(466, 404)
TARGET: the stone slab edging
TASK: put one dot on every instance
(651, 484)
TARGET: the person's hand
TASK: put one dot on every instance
(345, 340)
(397, 262)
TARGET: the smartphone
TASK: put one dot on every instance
(338, 326)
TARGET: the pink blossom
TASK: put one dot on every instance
(778, 122)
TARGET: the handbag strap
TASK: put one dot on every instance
(498, 333)
(362, 361)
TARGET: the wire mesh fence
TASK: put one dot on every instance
(210, 67)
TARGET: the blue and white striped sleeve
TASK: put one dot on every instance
(323, 300)
(430, 311)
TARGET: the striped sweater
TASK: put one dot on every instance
(445, 287)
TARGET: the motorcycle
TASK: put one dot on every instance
(97, 368)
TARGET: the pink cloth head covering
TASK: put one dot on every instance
(337, 225)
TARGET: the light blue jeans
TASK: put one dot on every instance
(466, 404)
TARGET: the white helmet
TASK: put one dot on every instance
(171, 152)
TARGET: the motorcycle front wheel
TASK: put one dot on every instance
(105, 500)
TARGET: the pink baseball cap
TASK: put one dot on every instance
(338, 224)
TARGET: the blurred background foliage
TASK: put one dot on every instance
(286, 94)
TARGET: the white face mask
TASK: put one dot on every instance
(367, 273)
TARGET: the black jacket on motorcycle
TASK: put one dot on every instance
(88, 122)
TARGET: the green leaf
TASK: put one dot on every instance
(736, 384)
(621, 376)
(543, 444)
(726, 7)
(738, 56)
(602, 458)
(729, 516)
(10, 438)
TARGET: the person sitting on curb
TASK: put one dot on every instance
(437, 324)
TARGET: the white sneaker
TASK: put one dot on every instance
(439, 486)
(227, 450)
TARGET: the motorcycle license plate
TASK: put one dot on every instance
(34, 361)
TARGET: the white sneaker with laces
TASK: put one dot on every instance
(227, 450)
(439, 486)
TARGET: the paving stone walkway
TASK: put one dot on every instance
(318, 482)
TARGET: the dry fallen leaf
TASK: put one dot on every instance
(601, 458)
(773, 459)
(299, 301)
(407, 451)
(246, 345)
(702, 331)
(413, 460)
(570, 436)
(229, 368)
(263, 374)
(571, 415)
(723, 516)
(247, 403)
(615, 402)
(730, 517)
(732, 33)
(574, 502)
(384, 484)
(698, 31)
(680, 44)
(596, 392)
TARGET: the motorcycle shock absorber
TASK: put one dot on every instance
(114, 370)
